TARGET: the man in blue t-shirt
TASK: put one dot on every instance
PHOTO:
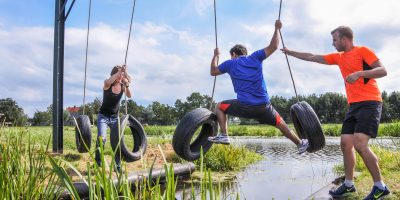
(249, 85)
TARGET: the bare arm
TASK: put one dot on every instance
(128, 91)
(108, 82)
(378, 71)
(214, 71)
(305, 56)
(126, 81)
(273, 45)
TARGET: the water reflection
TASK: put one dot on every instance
(283, 173)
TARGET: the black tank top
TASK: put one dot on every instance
(110, 105)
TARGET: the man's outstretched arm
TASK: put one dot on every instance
(305, 56)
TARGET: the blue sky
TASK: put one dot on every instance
(173, 41)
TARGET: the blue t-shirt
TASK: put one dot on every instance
(247, 78)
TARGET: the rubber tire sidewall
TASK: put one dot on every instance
(84, 125)
(139, 140)
(185, 130)
(307, 125)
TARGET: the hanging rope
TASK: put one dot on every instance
(216, 46)
(86, 58)
(127, 48)
(287, 60)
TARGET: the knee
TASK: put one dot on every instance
(346, 146)
(281, 125)
(360, 147)
(217, 108)
(102, 139)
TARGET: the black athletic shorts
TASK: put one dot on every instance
(265, 114)
(363, 117)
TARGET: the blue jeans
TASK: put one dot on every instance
(102, 122)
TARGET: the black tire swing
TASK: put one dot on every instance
(304, 119)
(83, 133)
(139, 136)
(183, 143)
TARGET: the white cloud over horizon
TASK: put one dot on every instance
(169, 62)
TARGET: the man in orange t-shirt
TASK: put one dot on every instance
(359, 67)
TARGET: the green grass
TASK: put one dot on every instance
(389, 163)
(385, 129)
(28, 171)
(390, 129)
(219, 158)
(224, 158)
(24, 173)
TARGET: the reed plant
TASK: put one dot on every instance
(390, 129)
(224, 158)
(102, 186)
(24, 172)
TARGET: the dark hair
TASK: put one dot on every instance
(239, 50)
(115, 69)
(344, 31)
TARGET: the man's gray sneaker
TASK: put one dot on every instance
(220, 138)
(341, 191)
(303, 146)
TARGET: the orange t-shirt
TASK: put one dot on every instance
(358, 59)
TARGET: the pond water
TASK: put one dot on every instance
(283, 173)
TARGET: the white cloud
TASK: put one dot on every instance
(168, 63)
(390, 59)
(202, 6)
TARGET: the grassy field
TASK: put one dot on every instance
(385, 129)
(29, 171)
(220, 158)
(389, 162)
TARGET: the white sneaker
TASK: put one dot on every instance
(220, 138)
(303, 146)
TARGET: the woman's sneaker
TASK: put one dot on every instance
(342, 190)
(220, 138)
(303, 146)
(377, 193)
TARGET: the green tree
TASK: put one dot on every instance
(44, 118)
(163, 114)
(386, 108)
(331, 107)
(12, 112)
(281, 105)
(394, 105)
(41, 118)
(133, 108)
(195, 100)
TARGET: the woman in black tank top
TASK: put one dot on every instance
(113, 88)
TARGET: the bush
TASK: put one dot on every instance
(228, 158)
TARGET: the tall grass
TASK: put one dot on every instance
(390, 129)
(102, 186)
(228, 158)
(159, 130)
(28, 171)
(389, 163)
(385, 129)
(24, 173)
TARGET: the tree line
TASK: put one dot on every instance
(330, 108)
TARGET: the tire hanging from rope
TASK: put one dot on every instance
(304, 119)
(139, 136)
(83, 133)
(187, 140)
